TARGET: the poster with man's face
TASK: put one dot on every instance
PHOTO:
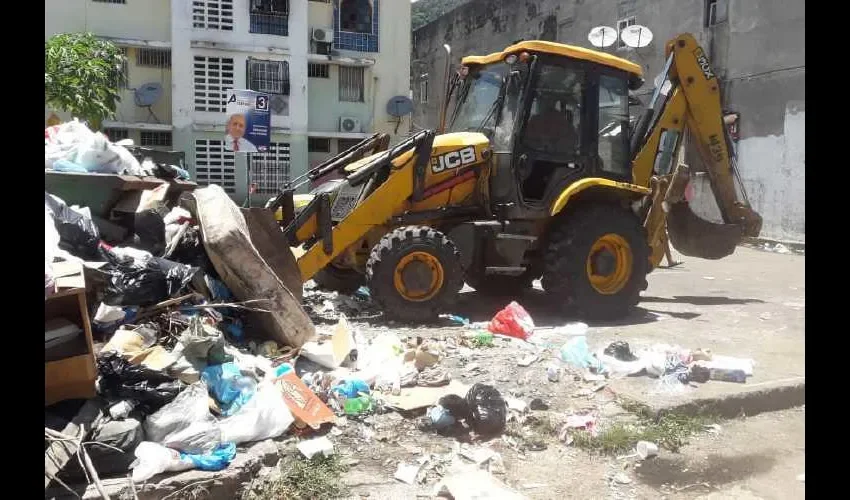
(248, 126)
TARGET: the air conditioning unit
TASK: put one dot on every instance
(349, 124)
(323, 35)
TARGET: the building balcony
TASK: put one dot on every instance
(270, 23)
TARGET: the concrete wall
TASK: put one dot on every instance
(759, 54)
(144, 19)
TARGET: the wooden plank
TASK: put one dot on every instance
(60, 452)
(70, 378)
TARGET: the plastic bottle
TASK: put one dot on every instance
(356, 406)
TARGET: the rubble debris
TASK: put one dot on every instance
(474, 484)
(527, 360)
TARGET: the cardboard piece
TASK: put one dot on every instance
(412, 398)
(305, 406)
(330, 353)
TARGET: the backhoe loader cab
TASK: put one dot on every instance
(537, 172)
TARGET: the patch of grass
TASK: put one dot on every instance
(318, 478)
(670, 432)
(534, 432)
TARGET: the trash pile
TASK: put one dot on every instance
(188, 323)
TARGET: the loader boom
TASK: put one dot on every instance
(688, 99)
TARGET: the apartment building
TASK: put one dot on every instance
(330, 66)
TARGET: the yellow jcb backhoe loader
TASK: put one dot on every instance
(535, 173)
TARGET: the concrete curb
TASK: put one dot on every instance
(780, 396)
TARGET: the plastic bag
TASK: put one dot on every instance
(576, 354)
(77, 233)
(149, 229)
(513, 321)
(153, 458)
(63, 141)
(265, 416)
(216, 460)
(351, 388)
(51, 245)
(203, 344)
(122, 380)
(228, 386)
(487, 409)
(186, 423)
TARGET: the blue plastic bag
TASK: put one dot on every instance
(217, 460)
(351, 388)
(228, 386)
(576, 353)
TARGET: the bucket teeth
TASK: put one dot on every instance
(693, 236)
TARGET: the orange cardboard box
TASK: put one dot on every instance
(305, 406)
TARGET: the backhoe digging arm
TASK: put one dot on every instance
(691, 102)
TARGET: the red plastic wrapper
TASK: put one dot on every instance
(513, 321)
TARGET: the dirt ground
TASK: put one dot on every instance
(749, 305)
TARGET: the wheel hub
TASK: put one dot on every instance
(604, 263)
(417, 277)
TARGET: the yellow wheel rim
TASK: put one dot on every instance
(609, 264)
(418, 276)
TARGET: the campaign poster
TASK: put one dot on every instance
(248, 121)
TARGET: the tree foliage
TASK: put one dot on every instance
(426, 11)
(82, 74)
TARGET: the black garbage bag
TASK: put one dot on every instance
(111, 449)
(488, 411)
(190, 251)
(143, 282)
(149, 231)
(620, 350)
(455, 405)
(151, 389)
(78, 234)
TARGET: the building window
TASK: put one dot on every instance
(116, 134)
(153, 58)
(315, 70)
(344, 145)
(270, 170)
(213, 76)
(270, 17)
(155, 138)
(318, 145)
(214, 165)
(716, 12)
(356, 25)
(124, 76)
(351, 83)
(621, 25)
(271, 77)
(423, 91)
(122, 2)
(212, 14)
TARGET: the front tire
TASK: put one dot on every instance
(598, 259)
(414, 273)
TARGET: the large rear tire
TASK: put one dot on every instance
(598, 259)
(414, 273)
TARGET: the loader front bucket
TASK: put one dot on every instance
(693, 236)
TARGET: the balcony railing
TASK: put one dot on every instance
(270, 23)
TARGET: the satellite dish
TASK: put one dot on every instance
(636, 36)
(602, 36)
(148, 94)
(399, 106)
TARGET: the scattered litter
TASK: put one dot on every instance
(553, 373)
(440, 417)
(305, 406)
(332, 352)
(516, 404)
(622, 478)
(311, 447)
(585, 422)
(420, 397)
(407, 473)
(620, 350)
(576, 354)
(528, 360)
(474, 485)
(538, 404)
(645, 449)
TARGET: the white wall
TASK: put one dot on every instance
(139, 19)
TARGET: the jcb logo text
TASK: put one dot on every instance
(453, 159)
